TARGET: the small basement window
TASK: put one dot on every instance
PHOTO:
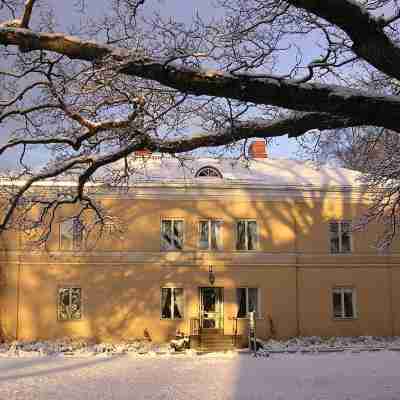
(208, 172)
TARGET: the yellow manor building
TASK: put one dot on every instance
(201, 245)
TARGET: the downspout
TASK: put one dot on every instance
(18, 288)
(297, 276)
(18, 297)
(390, 275)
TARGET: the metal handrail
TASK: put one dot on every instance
(234, 330)
(194, 326)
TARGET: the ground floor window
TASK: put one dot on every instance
(171, 303)
(344, 303)
(247, 301)
(69, 303)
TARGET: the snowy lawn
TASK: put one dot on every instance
(346, 375)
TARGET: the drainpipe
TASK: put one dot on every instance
(18, 298)
(297, 277)
(390, 276)
(18, 288)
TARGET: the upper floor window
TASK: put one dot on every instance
(172, 234)
(246, 235)
(208, 172)
(248, 299)
(210, 235)
(171, 303)
(69, 303)
(340, 236)
(344, 303)
(71, 234)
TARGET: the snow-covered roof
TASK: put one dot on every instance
(267, 171)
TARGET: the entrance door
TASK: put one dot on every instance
(211, 307)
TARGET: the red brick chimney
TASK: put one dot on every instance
(258, 149)
(143, 153)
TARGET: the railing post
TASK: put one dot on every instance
(252, 332)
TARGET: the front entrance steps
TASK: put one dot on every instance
(212, 340)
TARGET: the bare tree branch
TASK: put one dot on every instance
(27, 13)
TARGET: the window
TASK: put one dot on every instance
(246, 235)
(340, 236)
(71, 234)
(210, 235)
(344, 303)
(247, 301)
(69, 303)
(171, 303)
(208, 172)
(172, 234)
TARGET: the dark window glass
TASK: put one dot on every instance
(348, 304)
(241, 235)
(337, 304)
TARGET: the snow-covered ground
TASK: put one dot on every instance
(343, 375)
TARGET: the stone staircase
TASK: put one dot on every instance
(211, 340)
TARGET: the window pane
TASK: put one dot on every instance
(178, 235)
(66, 234)
(241, 235)
(216, 235)
(203, 240)
(253, 300)
(166, 303)
(334, 237)
(241, 302)
(166, 234)
(63, 304)
(252, 235)
(178, 303)
(348, 304)
(76, 309)
(337, 304)
(346, 244)
(77, 238)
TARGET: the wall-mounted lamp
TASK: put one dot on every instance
(211, 276)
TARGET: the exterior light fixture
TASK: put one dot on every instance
(211, 276)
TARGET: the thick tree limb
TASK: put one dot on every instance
(293, 126)
(370, 42)
(368, 108)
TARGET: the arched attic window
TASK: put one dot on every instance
(208, 172)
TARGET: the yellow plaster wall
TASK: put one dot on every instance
(121, 297)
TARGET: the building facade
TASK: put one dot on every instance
(200, 245)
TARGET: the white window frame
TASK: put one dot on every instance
(74, 244)
(172, 219)
(342, 291)
(256, 244)
(219, 239)
(208, 171)
(339, 223)
(173, 318)
(69, 288)
(258, 314)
